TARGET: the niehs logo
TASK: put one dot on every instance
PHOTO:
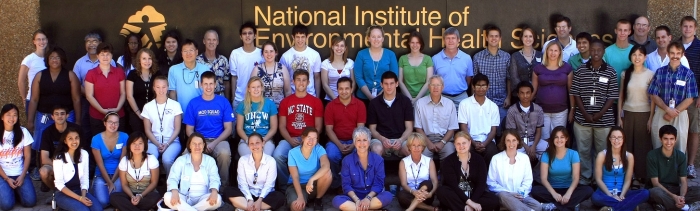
(149, 22)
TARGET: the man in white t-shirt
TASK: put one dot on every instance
(301, 57)
(479, 117)
(242, 62)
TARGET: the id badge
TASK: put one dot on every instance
(592, 102)
(672, 103)
(374, 92)
(526, 141)
(44, 119)
(196, 84)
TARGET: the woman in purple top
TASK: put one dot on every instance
(552, 80)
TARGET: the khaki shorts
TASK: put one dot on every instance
(387, 152)
(694, 118)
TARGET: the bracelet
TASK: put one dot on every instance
(369, 197)
(81, 199)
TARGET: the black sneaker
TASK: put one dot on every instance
(318, 204)
(659, 207)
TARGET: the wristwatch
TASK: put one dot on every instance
(369, 197)
(443, 141)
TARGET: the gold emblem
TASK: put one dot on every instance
(149, 22)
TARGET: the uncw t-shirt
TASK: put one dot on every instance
(257, 120)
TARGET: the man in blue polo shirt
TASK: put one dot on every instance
(184, 78)
(212, 116)
(455, 67)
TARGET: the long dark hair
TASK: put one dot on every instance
(163, 55)
(608, 154)
(132, 138)
(551, 149)
(126, 58)
(63, 147)
(628, 72)
(17, 133)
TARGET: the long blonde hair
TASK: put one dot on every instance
(545, 57)
(247, 101)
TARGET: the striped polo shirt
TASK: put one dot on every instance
(601, 84)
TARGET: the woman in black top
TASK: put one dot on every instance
(54, 86)
(464, 184)
(139, 87)
(170, 52)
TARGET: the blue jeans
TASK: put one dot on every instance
(632, 199)
(101, 190)
(39, 127)
(65, 202)
(27, 196)
(335, 156)
(168, 156)
(281, 154)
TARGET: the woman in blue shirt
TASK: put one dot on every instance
(256, 114)
(193, 182)
(363, 177)
(308, 163)
(560, 174)
(613, 174)
(371, 63)
(107, 148)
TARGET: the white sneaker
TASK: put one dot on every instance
(691, 172)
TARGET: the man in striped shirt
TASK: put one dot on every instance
(673, 90)
(691, 45)
(595, 89)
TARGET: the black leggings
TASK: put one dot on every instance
(449, 200)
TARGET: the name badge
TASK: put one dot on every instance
(680, 82)
(603, 80)
(539, 60)
(196, 84)
(119, 146)
(185, 178)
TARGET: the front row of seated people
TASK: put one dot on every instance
(194, 182)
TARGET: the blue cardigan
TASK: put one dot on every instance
(365, 69)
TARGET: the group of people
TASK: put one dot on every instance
(490, 120)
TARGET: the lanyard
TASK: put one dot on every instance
(415, 176)
(375, 64)
(196, 76)
(161, 117)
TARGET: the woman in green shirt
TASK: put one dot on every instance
(415, 69)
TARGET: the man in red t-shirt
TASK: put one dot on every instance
(296, 112)
(343, 114)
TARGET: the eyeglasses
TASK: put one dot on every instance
(616, 138)
(641, 25)
(113, 123)
(55, 58)
(188, 51)
(255, 181)
(92, 41)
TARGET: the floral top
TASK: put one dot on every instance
(273, 83)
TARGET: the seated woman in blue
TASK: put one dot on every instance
(560, 171)
(72, 184)
(308, 164)
(256, 114)
(107, 149)
(362, 176)
(257, 173)
(193, 182)
(613, 174)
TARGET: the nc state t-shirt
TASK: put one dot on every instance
(300, 113)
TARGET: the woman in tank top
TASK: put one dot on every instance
(275, 76)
